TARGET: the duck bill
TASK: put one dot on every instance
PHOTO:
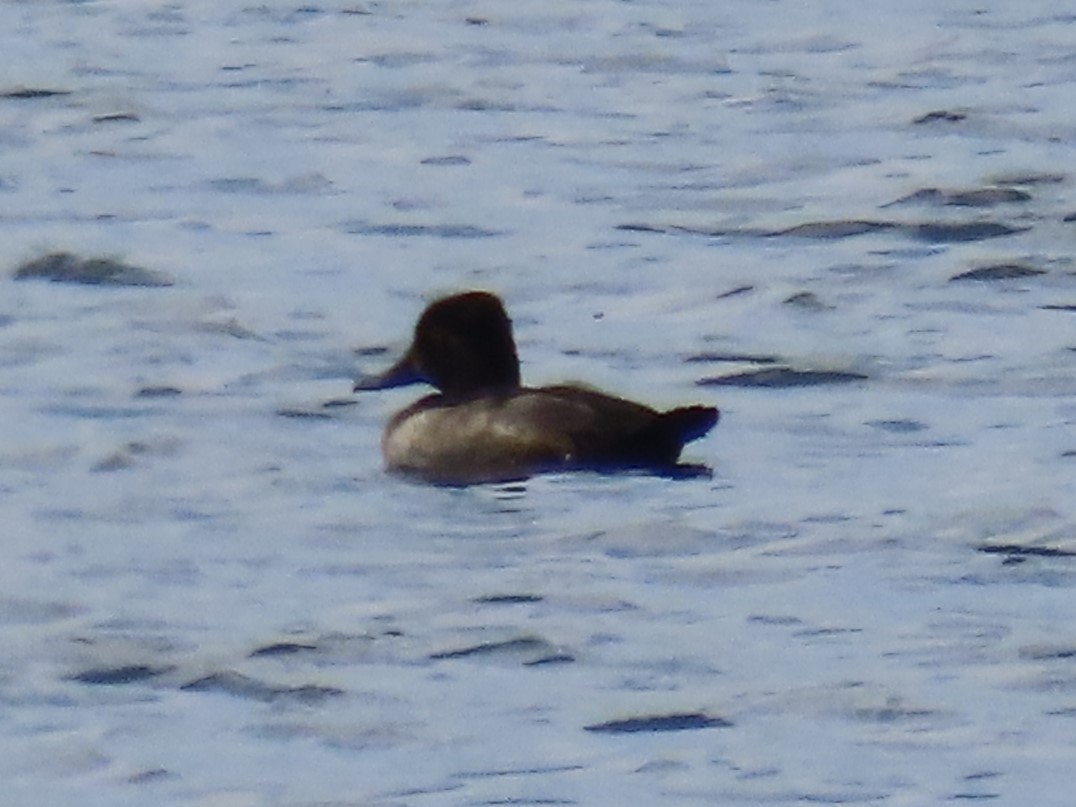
(401, 374)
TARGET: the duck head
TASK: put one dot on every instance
(462, 345)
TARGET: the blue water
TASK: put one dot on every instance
(212, 594)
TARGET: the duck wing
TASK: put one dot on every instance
(608, 431)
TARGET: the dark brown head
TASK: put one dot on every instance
(462, 345)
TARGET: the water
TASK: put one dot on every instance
(213, 595)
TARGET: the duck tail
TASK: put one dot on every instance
(688, 423)
(660, 443)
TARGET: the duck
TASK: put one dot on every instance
(482, 425)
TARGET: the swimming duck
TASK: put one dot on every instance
(482, 426)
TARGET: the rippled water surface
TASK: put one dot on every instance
(852, 229)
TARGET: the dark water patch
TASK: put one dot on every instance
(523, 644)
(979, 776)
(243, 686)
(781, 620)
(915, 253)
(806, 301)
(782, 378)
(507, 599)
(114, 462)
(126, 456)
(1048, 652)
(538, 770)
(977, 197)
(833, 229)
(278, 649)
(116, 117)
(688, 721)
(1023, 551)
(307, 183)
(338, 403)
(447, 160)
(387, 101)
(897, 426)
(999, 271)
(448, 231)
(959, 232)
(931, 232)
(640, 62)
(150, 776)
(229, 327)
(488, 105)
(555, 658)
(822, 230)
(119, 676)
(162, 391)
(301, 413)
(397, 59)
(642, 228)
(1028, 179)
(941, 116)
(98, 412)
(892, 712)
(986, 197)
(372, 350)
(237, 185)
(736, 292)
(32, 93)
(822, 633)
(718, 357)
(63, 267)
